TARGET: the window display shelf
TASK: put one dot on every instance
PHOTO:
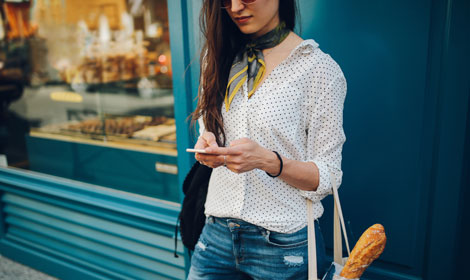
(168, 149)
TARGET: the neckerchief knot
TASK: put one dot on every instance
(249, 65)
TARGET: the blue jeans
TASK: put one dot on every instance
(235, 249)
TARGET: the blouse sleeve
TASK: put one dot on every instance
(326, 137)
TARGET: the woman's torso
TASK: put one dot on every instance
(278, 117)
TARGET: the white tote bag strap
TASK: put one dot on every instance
(312, 249)
(337, 220)
(338, 217)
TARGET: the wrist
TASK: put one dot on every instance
(271, 162)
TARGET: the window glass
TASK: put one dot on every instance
(86, 90)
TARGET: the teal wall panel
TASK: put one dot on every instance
(382, 47)
(182, 90)
(195, 41)
(109, 234)
(180, 30)
(449, 179)
(404, 118)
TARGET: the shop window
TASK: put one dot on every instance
(86, 90)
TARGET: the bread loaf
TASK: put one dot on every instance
(367, 249)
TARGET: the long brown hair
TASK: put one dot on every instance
(223, 40)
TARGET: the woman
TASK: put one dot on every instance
(270, 110)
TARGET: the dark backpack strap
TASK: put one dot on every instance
(176, 235)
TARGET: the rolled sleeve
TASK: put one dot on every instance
(326, 137)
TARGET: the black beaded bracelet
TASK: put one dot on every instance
(280, 169)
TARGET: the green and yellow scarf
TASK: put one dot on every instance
(249, 63)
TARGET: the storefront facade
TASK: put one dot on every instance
(95, 143)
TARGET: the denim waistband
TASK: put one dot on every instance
(234, 223)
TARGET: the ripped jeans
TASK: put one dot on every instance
(235, 249)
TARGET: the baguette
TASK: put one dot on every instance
(367, 249)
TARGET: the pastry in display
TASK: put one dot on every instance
(111, 69)
(129, 65)
(17, 17)
(142, 127)
(169, 138)
(91, 70)
(154, 133)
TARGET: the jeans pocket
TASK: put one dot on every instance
(287, 240)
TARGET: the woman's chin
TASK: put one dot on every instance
(247, 30)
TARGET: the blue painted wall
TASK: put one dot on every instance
(405, 118)
(382, 47)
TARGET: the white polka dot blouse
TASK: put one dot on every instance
(298, 112)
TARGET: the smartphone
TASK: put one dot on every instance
(202, 151)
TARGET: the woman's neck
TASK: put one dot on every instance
(268, 27)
